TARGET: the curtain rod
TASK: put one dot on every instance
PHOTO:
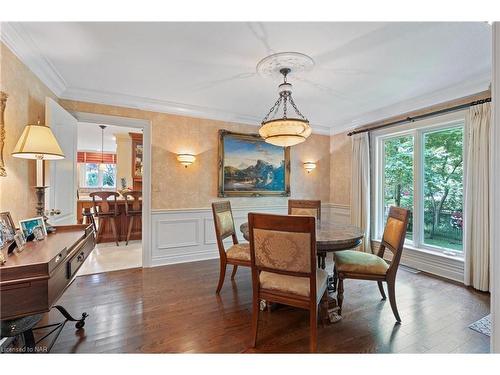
(424, 115)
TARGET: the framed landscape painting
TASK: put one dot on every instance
(250, 167)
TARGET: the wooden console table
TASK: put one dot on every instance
(32, 281)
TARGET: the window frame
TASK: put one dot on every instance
(100, 177)
(416, 129)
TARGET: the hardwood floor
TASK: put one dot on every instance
(174, 309)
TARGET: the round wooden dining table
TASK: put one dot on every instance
(330, 237)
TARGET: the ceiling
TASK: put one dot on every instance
(362, 70)
(89, 136)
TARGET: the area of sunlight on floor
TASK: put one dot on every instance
(108, 257)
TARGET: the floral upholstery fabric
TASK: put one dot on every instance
(392, 232)
(240, 251)
(225, 223)
(304, 212)
(352, 261)
(293, 284)
(287, 251)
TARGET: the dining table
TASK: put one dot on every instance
(330, 237)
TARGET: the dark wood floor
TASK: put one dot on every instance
(174, 309)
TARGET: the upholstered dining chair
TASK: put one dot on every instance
(352, 264)
(106, 210)
(238, 254)
(283, 256)
(305, 208)
(133, 209)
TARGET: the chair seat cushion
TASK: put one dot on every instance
(293, 284)
(240, 251)
(352, 261)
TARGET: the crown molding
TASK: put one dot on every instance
(18, 41)
(471, 86)
(164, 106)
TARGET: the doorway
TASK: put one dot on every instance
(114, 155)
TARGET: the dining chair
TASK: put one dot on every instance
(106, 210)
(283, 259)
(238, 254)
(302, 207)
(352, 264)
(133, 209)
(305, 208)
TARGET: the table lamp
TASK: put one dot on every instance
(39, 143)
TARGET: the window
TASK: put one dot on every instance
(421, 168)
(93, 175)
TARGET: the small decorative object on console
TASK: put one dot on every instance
(20, 240)
(39, 233)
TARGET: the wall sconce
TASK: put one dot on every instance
(186, 159)
(309, 166)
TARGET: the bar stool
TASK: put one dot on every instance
(88, 218)
(133, 208)
(105, 212)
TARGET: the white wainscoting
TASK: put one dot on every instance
(188, 235)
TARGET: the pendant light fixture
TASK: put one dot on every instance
(285, 131)
(101, 166)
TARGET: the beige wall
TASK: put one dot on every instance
(174, 186)
(123, 159)
(340, 169)
(26, 104)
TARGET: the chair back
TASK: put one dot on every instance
(133, 204)
(283, 244)
(106, 206)
(394, 234)
(305, 208)
(224, 224)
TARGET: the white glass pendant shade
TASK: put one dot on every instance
(285, 132)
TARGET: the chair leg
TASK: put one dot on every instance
(130, 224)
(255, 319)
(340, 294)
(391, 287)
(381, 288)
(113, 227)
(313, 322)
(222, 275)
(100, 229)
(324, 307)
(235, 268)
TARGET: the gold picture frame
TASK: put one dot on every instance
(262, 169)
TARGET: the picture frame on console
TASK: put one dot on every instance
(7, 229)
(29, 226)
(250, 167)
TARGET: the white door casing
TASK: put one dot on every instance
(61, 194)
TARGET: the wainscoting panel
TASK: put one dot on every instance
(188, 235)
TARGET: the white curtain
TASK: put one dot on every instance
(360, 187)
(477, 213)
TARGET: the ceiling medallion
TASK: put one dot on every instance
(284, 131)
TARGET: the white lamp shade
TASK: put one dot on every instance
(285, 132)
(38, 142)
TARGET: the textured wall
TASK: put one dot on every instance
(340, 169)
(26, 104)
(123, 159)
(174, 186)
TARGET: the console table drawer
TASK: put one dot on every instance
(81, 254)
